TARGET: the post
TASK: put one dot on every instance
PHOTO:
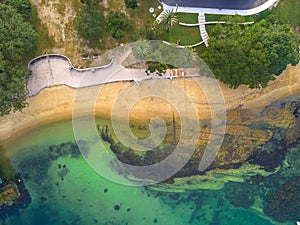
(174, 130)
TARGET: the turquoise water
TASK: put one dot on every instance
(66, 190)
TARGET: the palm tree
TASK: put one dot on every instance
(187, 57)
(169, 19)
(141, 49)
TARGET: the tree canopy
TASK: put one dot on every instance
(131, 4)
(90, 23)
(141, 49)
(169, 19)
(250, 54)
(14, 45)
(117, 24)
(23, 7)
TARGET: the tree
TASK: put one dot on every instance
(250, 55)
(23, 7)
(169, 19)
(117, 24)
(157, 67)
(188, 58)
(14, 45)
(131, 4)
(151, 31)
(141, 49)
(282, 45)
(90, 23)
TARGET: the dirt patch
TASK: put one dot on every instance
(59, 18)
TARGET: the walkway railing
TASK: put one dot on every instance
(65, 58)
(185, 46)
(213, 22)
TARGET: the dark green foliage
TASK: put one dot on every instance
(169, 19)
(282, 45)
(131, 4)
(164, 56)
(250, 54)
(14, 45)
(23, 7)
(16, 42)
(151, 31)
(90, 23)
(156, 67)
(90, 2)
(118, 24)
(284, 203)
(141, 49)
(239, 195)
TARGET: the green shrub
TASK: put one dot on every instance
(131, 4)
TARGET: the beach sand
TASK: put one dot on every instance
(56, 103)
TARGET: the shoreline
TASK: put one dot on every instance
(55, 104)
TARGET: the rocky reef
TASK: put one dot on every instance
(283, 204)
(259, 139)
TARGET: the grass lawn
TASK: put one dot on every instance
(288, 11)
(137, 17)
(186, 35)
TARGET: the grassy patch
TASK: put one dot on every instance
(141, 13)
(137, 17)
(44, 42)
(186, 35)
(187, 17)
(288, 11)
(212, 17)
(115, 5)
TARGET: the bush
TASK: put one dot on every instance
(117, 24)
(250, 54)
(131, 4)
(90, 23)
(23, 7)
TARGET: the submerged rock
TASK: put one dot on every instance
(117, 207)
(255, 143)
(283, 204)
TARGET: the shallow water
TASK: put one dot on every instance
(69, 191)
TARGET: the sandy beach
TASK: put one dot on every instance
(56, 103)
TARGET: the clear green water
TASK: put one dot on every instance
(80, 197)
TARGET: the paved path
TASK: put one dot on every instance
(57, 70)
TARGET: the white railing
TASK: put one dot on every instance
(213, 22)
(217, 10)
(63, 57)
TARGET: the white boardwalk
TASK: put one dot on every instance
(203, 32)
